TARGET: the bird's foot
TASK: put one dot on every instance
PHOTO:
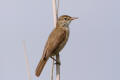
(58, 62)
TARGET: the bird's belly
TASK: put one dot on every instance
(61, 46)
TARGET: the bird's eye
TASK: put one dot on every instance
(65, 18)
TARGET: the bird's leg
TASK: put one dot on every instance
(53, 58)
(57, 62)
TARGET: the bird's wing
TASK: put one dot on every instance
(55, 39)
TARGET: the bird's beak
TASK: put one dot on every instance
(73, 18)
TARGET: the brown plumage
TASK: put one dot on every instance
(56, 41)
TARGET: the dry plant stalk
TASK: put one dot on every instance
(54, 12)
(55, 16)
(26, 60)
(57, 67)
(52, 71)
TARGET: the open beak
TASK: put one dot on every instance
(73, 18)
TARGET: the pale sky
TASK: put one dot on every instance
(93, 49)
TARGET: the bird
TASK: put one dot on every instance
(56, 41)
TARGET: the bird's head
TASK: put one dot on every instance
(65, 20)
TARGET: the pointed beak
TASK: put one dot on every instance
(73, 18)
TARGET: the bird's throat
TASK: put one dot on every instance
(62, 25)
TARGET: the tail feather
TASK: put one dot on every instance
(40, 66)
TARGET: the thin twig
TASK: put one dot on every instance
(26, 60)
(55, 16)
(57, 56)
(57, 67)
(57, 11)
(55, 20)
(52, 71)
(54, 12)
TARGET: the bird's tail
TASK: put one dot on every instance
(40, 66)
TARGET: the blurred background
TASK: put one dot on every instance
(93, 49)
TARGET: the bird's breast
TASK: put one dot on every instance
(65, 40)
(61, 46)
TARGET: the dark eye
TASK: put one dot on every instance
(65, 18)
